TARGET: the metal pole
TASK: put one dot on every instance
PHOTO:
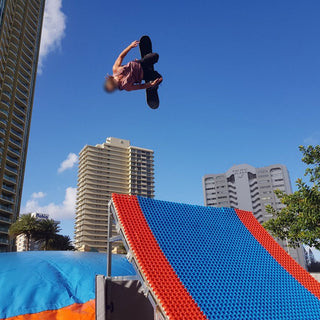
(109, 256)
(109, 246)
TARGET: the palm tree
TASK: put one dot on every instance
(26, 225)
(47, 230)
(60, 242)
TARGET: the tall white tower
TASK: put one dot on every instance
(111, 167)
(251, 189)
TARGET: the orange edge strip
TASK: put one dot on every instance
(174, 298)
(280, 255)
(79, 311)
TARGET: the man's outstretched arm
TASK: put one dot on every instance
(122, 55)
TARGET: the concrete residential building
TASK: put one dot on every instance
(20, 31)
(251, 189)
(247, 188)
(111, 167)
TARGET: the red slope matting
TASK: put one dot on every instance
(162, 279)
(280, 255)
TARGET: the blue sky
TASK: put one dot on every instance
(241, 85)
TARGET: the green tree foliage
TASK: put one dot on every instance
(299, 220)
(47, 230)
(26, 225)
(60, 242)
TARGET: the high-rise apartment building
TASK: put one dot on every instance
(251, 189)
(247, 188)
(112, 167)
(20, 31)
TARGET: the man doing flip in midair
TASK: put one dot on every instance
(129, 76)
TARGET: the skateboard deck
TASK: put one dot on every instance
(145, 46)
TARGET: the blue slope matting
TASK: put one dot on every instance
(224, 268)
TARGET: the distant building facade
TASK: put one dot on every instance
(20, 31)
(21, 240)
(112, 167)
(251, 189)
(247, 188)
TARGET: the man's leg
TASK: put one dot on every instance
(147, 63)
(149, 60)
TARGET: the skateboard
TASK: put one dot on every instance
(145, 46)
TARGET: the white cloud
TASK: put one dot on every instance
(69, 163)
(53, 30)
(62, 211)
(313, 139)
(38, 195)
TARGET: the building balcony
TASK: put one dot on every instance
(17, 125)
(17, 24)
(14, 40)
(27, 50)
(4, 230)
(9, 69)
(15, 151)
(11, 63)
(9, 79)
(23, 92)
(18, 116)
(104, 175)
(29, 44)
(17, 135)
(91, 234)
(21, 109)
(32, 14)
(7, 85)
(25, 69)
(94, 223)
(31, 23)
(91, 201)
(27, 58)
(10, 179)
(13, 160)
(4, 219)
(4, 241)
(24, 84)
(7, 198)
(15, 142)
(104, 189)
(87, 224)
(91, 230)
(16, 29)
(13, 52)
(8, 188)
(11, 169)
(100, 215)
(96, 240)
(4, 112)
(24, 76)
(3, 122)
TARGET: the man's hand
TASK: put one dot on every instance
(144, 85)
(134, 44)
(155, 82)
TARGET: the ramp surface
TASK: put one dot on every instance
(213, 263)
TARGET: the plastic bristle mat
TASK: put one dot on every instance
(214, 263)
